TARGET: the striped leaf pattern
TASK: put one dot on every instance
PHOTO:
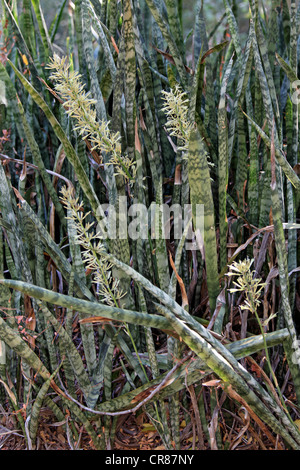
(237, 170)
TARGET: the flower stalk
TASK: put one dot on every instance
(176, 109)
(80, 106)
(108, 287)
(252, 287)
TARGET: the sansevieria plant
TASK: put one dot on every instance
(149, 197)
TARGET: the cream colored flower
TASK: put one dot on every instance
(176, 109)
(80, 106)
